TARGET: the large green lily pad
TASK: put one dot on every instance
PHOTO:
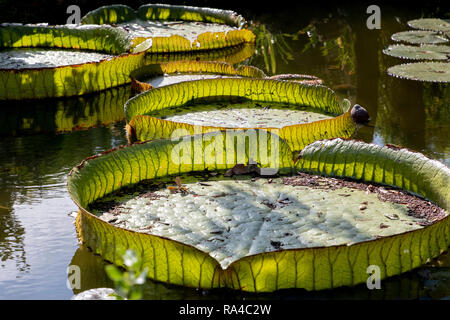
(144, 121)
(319, 266)
(222, 114)
(31, 58)
(161, 28)
(418, 37)
(108, 63)
(34, 60)
(114, 52)
(114, 14)
(231, 218)
(422, 71)
(158, 75)
(424, 52)
(243, 115)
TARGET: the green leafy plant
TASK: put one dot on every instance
(129, 283)
(271, 46)
(340, 49)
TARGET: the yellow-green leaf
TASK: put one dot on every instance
(120, 14)
(313, 268)
(69, 80)
(142, 126)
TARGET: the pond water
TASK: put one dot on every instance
(37, 234)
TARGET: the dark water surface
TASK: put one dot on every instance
(37, 234)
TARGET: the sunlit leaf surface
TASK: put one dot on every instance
(312, 268)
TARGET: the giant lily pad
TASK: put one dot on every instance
(143, 112)
(231, 55)
(99, 59)
(272, 260)
(416, 37)
(157, 75)
(425, 52)
(26, 58)
(231, 218)
(161, 28)
(113, 52)
(422, 71)
(109, 65)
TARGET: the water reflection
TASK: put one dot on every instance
(410, 115)
(421, 283)
(335, 39)
(337, 47)
(12, 234)
(37, 237)
(93, 276)
(63, 115)
(270, 47)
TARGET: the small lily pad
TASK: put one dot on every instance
(416, 36)
(442, 49)
(430, 24)
(425, 52)
(422, 71)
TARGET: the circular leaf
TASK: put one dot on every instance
(146, 113)
(422, 71)
(426, 52)
(173, 261)
(37, 81)
(430, 24)
(160, 28)
(415, 37)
